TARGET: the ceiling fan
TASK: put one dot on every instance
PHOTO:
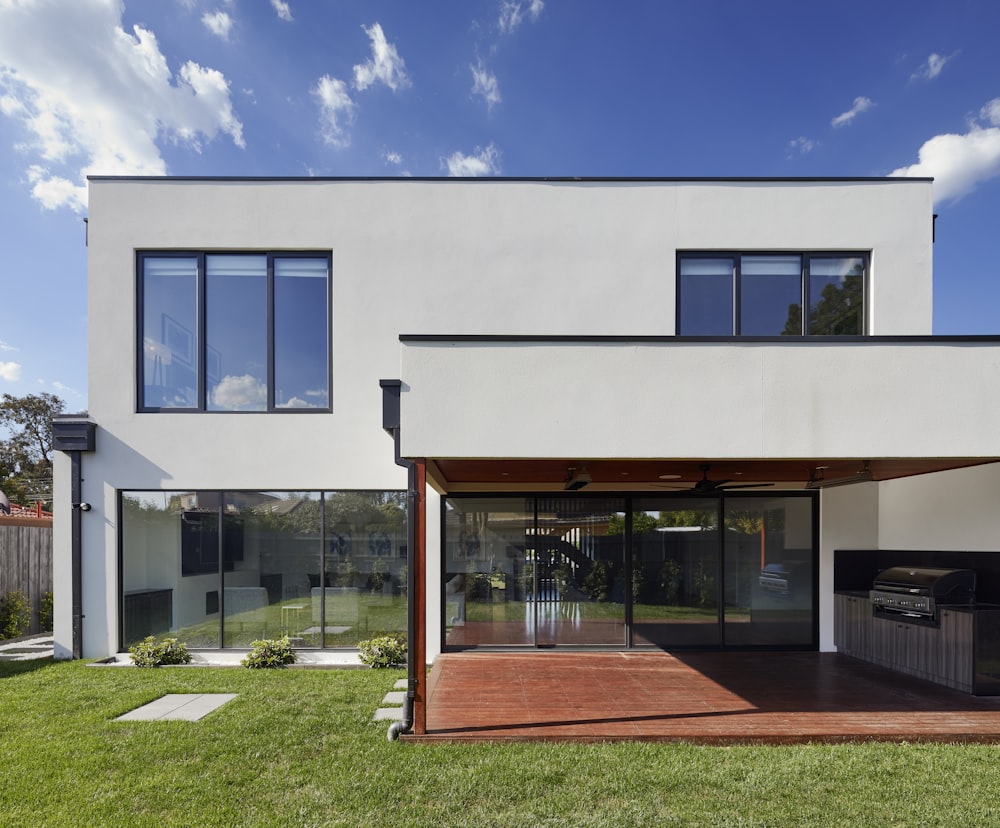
(706, 486)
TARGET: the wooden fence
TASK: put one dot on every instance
(26, 560)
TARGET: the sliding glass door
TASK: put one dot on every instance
(668, 571)
(675, 572)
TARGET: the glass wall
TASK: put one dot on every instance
(675, 571)
(531, 571)
(769, 560)
(671, 571)
(213, 568)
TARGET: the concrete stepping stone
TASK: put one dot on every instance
(187, 707)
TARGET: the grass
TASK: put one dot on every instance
(298, 747)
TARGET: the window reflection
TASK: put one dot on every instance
(265, 320)
(170, 332)
(836, 293)
(327, 569)
(301, 350)
(236, 333)
(771, 290)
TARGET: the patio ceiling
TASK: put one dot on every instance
(550, 474)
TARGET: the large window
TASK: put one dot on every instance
(222, 569)
(234, 332)
(662, 570)
(743, 294)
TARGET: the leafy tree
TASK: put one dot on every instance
(837, 312)
(26, 454)
(705, 518)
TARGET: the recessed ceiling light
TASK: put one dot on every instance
(670, 477)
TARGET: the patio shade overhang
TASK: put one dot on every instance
(648, 413)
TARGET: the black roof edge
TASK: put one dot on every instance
(941, 339)
(539, 179)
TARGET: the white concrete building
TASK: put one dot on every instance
(632, 402)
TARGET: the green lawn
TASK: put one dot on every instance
(298, 748)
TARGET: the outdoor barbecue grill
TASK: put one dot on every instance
(917, 592)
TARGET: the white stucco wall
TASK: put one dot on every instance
(452, 257)
(849, 519)
(953, 511)
(676, 399)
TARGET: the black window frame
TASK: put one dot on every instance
(805, 257)
(201, 355)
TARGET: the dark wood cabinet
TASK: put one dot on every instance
(945, 654)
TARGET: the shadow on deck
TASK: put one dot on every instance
(707, 698)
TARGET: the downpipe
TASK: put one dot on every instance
(405, 725)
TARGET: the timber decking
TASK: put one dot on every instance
(708, 698)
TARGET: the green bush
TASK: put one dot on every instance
(45, 612)
(15, 614)
(152, 653)
(383, 651)
(269, 652)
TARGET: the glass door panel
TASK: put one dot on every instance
(579, 554)
(675, 572)
(489, 572)
(768, 571)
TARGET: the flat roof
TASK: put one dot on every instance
(538, 179)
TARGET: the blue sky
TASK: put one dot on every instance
(480, 87)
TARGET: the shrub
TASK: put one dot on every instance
(45, 612)
(269, 652)
(15, 614)
(383, 651)
(152, 653)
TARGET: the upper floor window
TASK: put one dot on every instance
(234, 332)
(737, 294)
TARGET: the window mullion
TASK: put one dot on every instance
(806, 307)
(270, 333)
(737, 294)
(202, 334)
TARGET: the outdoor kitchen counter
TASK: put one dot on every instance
(962, 651)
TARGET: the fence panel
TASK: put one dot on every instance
(26, 563)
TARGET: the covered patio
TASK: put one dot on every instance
(701, 697)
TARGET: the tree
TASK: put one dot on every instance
(26, 454)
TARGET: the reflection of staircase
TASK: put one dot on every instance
(542, 543)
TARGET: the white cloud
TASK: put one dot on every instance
(240, 393)
(10, 371)
(485, 83)
(335, 110)
(297, 402)
(801, 145)
(393, 158)
(933, 66)
(65, 389)
(483, 161)
(512, 13)
(218, 23)
(96, 99)
(958, 163)
(385, 64)
(861, 104)
(6, 346)
(282, 10)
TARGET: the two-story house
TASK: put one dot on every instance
(626, 413)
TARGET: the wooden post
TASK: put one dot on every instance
(418, 560)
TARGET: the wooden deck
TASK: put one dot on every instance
(708, 698)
